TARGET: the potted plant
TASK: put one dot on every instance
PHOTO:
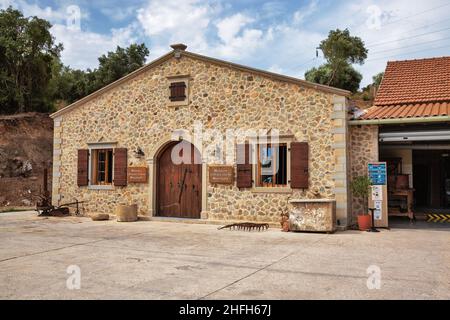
(360, 188)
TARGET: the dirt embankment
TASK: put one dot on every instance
(26, 142)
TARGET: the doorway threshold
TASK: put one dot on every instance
(179, 220)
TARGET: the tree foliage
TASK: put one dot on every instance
(32, 77)
(27, 50)
(340, 50)
(115, 65)
(347, 78)
(377, 79)
(69, 85)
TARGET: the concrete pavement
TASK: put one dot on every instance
(161, 260)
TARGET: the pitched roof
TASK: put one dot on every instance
(171, 54)
(419, 110)
(415, 81)
(413, 89)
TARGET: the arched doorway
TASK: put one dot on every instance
(179, 181)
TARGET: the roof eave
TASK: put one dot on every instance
(400, 120)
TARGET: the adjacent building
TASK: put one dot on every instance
(408, 127)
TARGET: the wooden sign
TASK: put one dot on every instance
(137, 175)
(221, 175)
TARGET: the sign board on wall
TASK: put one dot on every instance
(137, 175)
(378, 197)
(378, 213)
(377, 193)
(221, 175)
(377, 173)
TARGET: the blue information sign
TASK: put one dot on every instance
(377, 173)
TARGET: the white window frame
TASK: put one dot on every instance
(98, 146)
(287, 140)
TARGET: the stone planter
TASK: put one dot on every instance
(125, 213)
(313, 215)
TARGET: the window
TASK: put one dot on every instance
(101, 166)
(177, 91)
(272, 165)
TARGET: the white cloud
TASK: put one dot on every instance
(54, 15)
(82, 48)
(119, 14)
(303, 13)
(200, 26)
(237, 41)
(229, 27)
(170, 21)
(47, 13)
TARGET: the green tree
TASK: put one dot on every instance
(340, 50)
(348, 78)
(115, 65)
(69, 85)
(377, 79)
(27, 51)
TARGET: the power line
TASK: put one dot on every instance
(417, 14)
(412, 37)
(404, 53)
(402, 39)
(429, 25)
(417, 44)
(418, 28)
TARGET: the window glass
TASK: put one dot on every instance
(272, 165)
(101, 166)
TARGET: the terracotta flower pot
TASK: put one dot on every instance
(364, 222)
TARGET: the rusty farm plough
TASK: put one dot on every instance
(44, 205)
(246, 226)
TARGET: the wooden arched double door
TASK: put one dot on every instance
(179, 181)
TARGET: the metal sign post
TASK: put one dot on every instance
(378, 199)
(373, 229)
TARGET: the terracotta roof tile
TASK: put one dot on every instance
(415, 81)
(413, 89)
(407, 111)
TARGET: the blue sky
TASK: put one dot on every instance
(280, 36)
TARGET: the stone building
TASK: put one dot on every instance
(116, 146)
(408, 129)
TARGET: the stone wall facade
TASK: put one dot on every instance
(136, 114)
(363, 149)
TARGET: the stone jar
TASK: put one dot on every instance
(126, 213)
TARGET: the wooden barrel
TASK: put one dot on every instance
(126, 213)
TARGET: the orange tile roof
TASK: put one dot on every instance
(415, 81)
(418, 110)
(412, 89)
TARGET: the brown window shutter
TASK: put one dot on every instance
(177, 91)
(299, 165)
(120, 167)
(244, 166)
(83, 167)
